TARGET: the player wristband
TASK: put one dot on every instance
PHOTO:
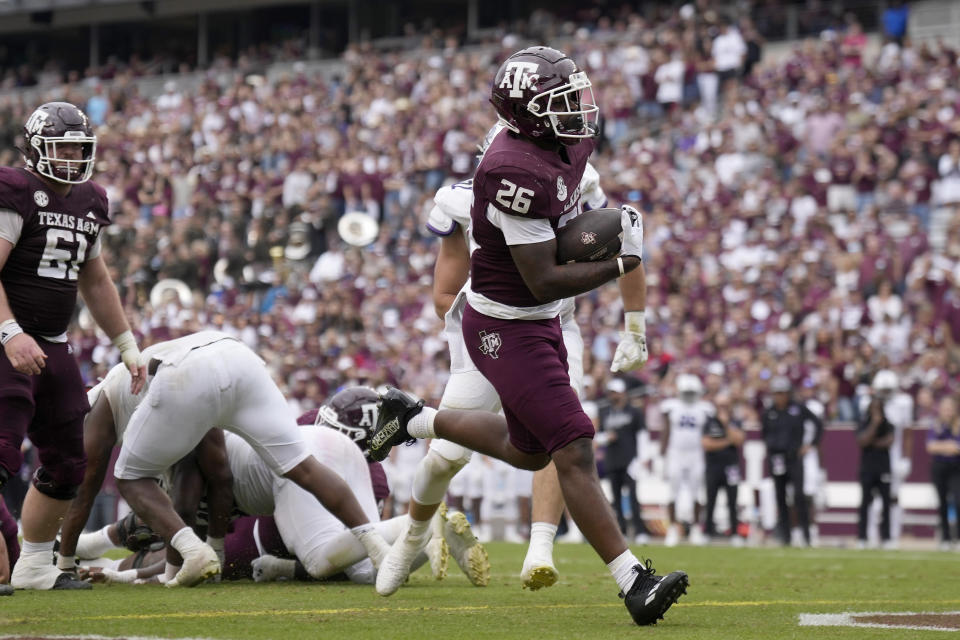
(635, 322)
(125, 341)
(620, 265)
(8, 330)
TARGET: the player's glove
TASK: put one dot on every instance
(632, 351)
(632, 223)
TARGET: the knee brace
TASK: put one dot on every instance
(48, 486)
(433, 477)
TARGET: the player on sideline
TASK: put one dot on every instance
(467, 389)
(196, 382)
(681, 445)
(898, 409)
(527, 182)
(51, 217)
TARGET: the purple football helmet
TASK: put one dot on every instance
(540, 94)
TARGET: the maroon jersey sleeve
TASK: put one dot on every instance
(14, 191)
(310, 417)
(509, 184)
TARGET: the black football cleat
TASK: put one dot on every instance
(6, 590)
(68, 582)
(134, 534)
(651, 595)
(394, 410)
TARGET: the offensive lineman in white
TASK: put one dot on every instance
(203, 380)
(468, 389)
(682, 448)
(898, 409)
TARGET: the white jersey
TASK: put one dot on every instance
(253, 481)
(116, 385)
(686, 422)
(899, 411)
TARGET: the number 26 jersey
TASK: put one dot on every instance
(52, 236)
(521, 195)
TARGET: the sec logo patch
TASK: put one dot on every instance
(41, 198)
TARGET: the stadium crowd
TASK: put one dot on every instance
(800, 214)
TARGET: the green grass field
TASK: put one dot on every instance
(735, 593)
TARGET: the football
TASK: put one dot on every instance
(593, 235)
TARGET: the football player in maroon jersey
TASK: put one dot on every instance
(51, 217)
(526, 186)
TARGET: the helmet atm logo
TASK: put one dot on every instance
(519, 77)
(36, 122)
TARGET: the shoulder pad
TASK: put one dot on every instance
(14, 190)
(452, 205)
(513, 189)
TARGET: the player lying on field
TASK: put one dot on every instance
(194, 383)
(302, 539)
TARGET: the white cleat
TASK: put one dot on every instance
(197, 566)
(672, 538)
(438, 553)
(395, 567)
(737, 542)
(642, 538)
(538, 573)
(697, 537)
(35, 574)
(469, 554)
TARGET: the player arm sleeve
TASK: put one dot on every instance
(11, 226)
(439, 223)
(95, 250)
(517, 230)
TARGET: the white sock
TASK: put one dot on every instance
(29, 548)
(66, 563)
(185, 541)
(169, 573)
(541, 537)
(421, 425)
(896, 522)
(94, 544)
(417, 529)
(372, 541)
(622, 569)
(279, 567)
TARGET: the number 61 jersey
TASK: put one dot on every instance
(521, 195)
(52, 237)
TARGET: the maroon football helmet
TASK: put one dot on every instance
(352, 411)
(52, 128)
(540, 94)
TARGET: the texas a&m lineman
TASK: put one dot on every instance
(51, 216)
(526, 185)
